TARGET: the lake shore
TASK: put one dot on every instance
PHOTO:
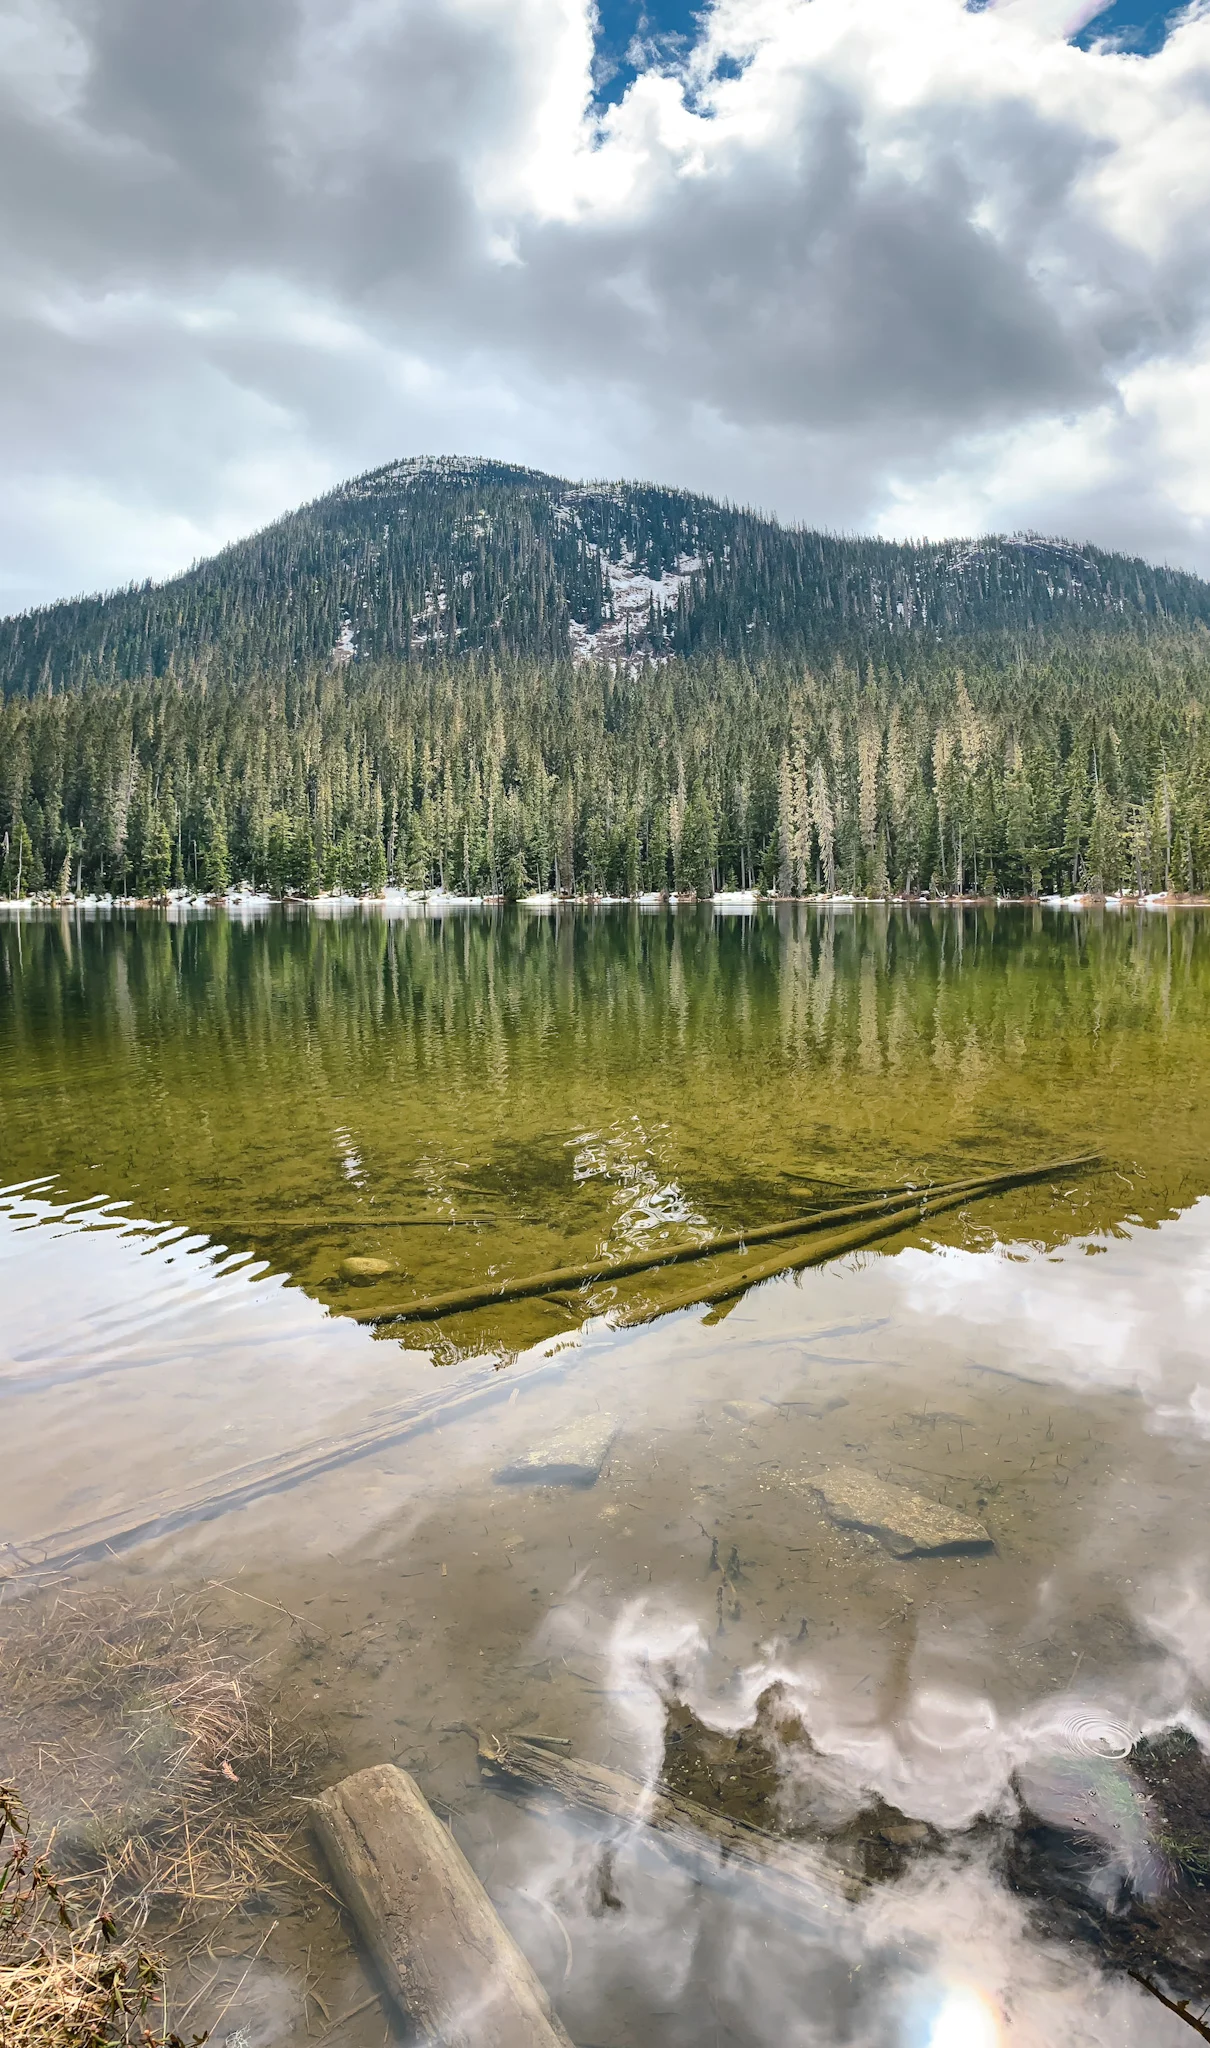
(253, 901)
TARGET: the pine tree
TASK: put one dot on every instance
(698, 849)
(156, 863)
(215, 858)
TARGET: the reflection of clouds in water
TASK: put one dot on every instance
(1178, 1616)
(965, 2018)
(1133, 1323)
(943, 1957)
(945, 1756)
(982, 1976)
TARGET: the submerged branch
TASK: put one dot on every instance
(301, 1226)
(1179, 2006)
(785, 1874)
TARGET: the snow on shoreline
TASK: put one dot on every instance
(248, 903)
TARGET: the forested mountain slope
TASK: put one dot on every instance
(437, 559)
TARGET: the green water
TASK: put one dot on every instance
(594, 1082)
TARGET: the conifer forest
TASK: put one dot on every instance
(473, 679)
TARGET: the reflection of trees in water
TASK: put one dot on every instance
(461, 1055)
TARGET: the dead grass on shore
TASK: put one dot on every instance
(151, 1757)
(66, 1983)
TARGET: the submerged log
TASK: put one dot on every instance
(308, 1226)
(120, 1529)
(431, 1308)
(835, 1244)
(892, 1208)
(447, 1958)
(789, 1876)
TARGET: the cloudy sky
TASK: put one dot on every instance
(897, 265)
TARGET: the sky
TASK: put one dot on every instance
(910, 267)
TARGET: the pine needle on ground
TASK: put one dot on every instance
(151, 1755)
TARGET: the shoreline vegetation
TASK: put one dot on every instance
(250, 898)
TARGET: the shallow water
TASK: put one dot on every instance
(178, 1101)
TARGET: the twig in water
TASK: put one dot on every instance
(375, 1998)
(1180, 2006)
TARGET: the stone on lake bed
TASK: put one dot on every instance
(748, 1411)
(365, 1268)
(907, 1524)
(572, 1456)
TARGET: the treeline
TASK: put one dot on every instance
(1088, 767)
(423, 562)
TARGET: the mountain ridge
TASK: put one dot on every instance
(452, 555)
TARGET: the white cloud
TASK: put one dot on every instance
(913, 269)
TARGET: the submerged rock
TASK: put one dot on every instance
(907, 1524)
(365, 1268)
(573, 1456)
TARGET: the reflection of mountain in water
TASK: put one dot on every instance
(220, 1074)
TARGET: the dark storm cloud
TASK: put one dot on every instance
(249, 249)
(819, 292)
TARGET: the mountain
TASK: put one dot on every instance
(447, 556)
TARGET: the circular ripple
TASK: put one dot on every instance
(1093, 1734)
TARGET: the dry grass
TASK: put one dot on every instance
(151, 1756)
(65, 1983)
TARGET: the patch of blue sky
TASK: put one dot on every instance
(637, 34)
(1136, 25)
(633, 36)
(1132, 25)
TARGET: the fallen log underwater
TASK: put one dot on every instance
(308, 1226)
(780, 1872)
(837, 1244)
(431, 1308)
(104, 1535)
(878, 1217)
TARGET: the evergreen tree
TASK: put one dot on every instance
(216, 860)
(155, 869)
(695, 862)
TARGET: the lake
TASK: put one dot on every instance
(204, 1119)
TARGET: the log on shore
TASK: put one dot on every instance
(788, 1876)
(450, 1963)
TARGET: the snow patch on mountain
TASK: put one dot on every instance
(632, 594)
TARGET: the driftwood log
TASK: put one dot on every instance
(787, 1876)
(448, 1960)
